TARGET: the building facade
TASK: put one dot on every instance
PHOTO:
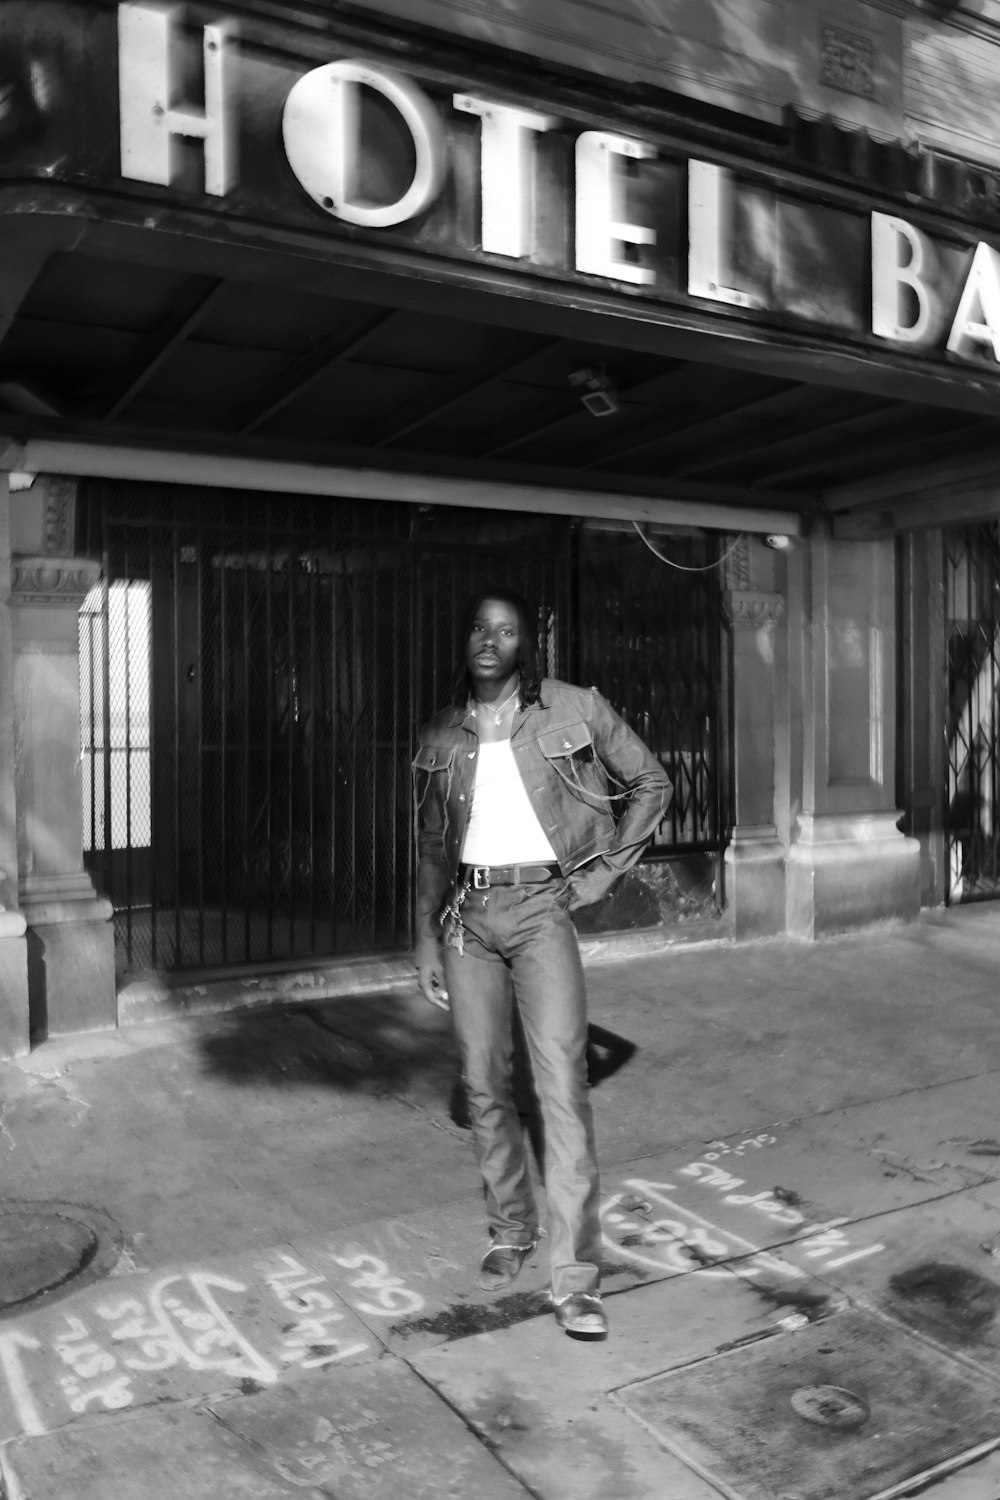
(684, 319)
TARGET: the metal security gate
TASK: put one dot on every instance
(650, 639)
(972, 815)
(253, 673)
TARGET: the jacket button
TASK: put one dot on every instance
(567, 745)
(472, 754)
(462, 797)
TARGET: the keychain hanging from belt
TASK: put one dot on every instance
(452, 930)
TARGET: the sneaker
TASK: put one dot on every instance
(502, 1264)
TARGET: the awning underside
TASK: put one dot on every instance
(101, 351)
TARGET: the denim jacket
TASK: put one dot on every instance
(596, 790)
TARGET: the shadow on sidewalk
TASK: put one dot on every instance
(379, 1046)
(372, 1045)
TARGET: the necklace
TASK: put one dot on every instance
(496, 712)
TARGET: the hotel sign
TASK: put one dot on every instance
(354, 149)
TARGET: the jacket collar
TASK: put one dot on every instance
(458, 716)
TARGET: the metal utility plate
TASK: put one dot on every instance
(851, 1408)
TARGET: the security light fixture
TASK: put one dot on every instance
(598, 394)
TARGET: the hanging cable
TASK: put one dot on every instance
(641, 531)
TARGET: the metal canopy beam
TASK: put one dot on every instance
(234, 471)
(526, 430)
(652, 434)
(299, 374)
(465, 383)
(768, 447)
(875, 454)
(881, 491)
(942, 507)
(155, 349)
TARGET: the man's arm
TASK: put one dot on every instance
(643, 791)
(432, 885)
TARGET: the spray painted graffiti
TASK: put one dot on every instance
(390, 1298)
(683, 1239)
(181, 1323)
(820, 1240)
(113, 1352)
(310, 1342)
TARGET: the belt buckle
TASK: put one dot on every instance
(481, 878)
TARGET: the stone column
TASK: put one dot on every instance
(755, 856)
(849, 866)
(15, 1027)
(71, 969)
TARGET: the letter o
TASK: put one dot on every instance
(321, 130)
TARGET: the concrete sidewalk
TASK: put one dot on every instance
(268, 1225)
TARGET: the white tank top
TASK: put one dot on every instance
(503, 828)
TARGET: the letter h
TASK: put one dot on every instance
(150, 122)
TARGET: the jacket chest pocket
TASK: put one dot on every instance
(564, 747)
(433, 774)
(431, 758)
(571, 754)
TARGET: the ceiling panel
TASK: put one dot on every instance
(146, 348)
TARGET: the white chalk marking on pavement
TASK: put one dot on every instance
(27, 1411)
(695, 1231)
(394, 1297)
(819, 1239)
(652, 1188)
(832, 1265)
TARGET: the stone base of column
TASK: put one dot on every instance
(71, 955)
(15, 1028)
(755, 883)
(850, 872)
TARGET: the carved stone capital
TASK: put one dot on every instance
(752, 607)
(60, 495)
(738, 572)
(53, 581)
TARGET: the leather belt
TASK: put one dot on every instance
(481, 877)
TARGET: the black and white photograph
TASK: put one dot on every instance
(499, 749)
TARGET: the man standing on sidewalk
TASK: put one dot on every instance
(532, 797)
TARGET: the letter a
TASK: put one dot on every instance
(982, 291)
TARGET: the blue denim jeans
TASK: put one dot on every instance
(520, 946)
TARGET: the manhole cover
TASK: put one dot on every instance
(45, 1247)
(851, 1408)
(830, 1406)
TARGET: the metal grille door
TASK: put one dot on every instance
(254, 670)
(247, 750)
(972, 828)
(253, 673)
(650, 640)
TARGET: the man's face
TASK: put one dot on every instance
(492, 652)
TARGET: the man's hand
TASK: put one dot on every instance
(430, 978)
(590, 884)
